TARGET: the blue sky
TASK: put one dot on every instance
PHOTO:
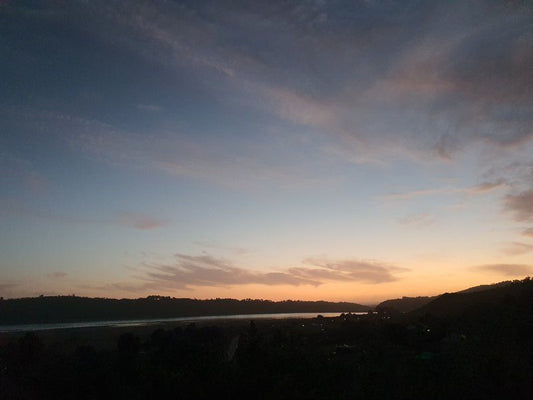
(341, 150)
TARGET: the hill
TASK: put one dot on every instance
(509, 296)
(48, 309)
(408, 304)
(481, 288)
(405, 304)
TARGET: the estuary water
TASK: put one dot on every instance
(144, 322)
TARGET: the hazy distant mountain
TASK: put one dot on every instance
(405, 304)
(73, 309)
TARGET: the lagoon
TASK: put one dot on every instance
(147, 322)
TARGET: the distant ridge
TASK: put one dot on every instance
(49, 309)
(409, 304)
(480, 299)
(481, 288)
(405, 304)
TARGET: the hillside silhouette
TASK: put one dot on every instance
(405, 304)
(453, 303)
(510, 296)
(50, 309)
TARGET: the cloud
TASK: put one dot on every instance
(416, 220)
(485, 187)
(407, 79)
(56, 275)
(241, 164)
(239, 251)
(528, 232)
(132, 220)
(299, 109)
(516, 248)
(150, 107)
(474, 190)
(205, 270)
(418, 193)
(350, 270)
(506, 269)
(520, 205)
(395, 80)
(139, 221)
(22, 173)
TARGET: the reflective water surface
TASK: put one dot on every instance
(142, 322)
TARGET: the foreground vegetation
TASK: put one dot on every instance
(476, 352)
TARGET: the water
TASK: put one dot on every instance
(145, 322)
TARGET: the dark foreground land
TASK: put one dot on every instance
(482, 350)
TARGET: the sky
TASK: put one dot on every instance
(333, 150)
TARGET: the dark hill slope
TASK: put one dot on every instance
(481, 288)
(405, 304)
(48, 309)
(511, 296)
(408, 304)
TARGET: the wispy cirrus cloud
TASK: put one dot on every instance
(366, 271)
(474, 190)
(513, 270)
(520, 205)
(133, 220)
(528, 232)
(417, 220)
(22, 173)
(242, 164)
(57, 275)
(215, 245)
(517, 248)
(408, 79)
(140, 221)
(205, 270)
(445, 86)
(485, 187)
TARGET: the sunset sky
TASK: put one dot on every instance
(335, 150)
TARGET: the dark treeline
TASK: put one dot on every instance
(47, 309)
(470, 353)
(405, 304)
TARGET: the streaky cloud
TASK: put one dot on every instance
(479, 189)
(520, 205)
(485, 187)
(140, 221)
(506, 269)
(417, 220)
(517, 248)
(367, 271)
(57, 275)
(528, 232)
(205, 270)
